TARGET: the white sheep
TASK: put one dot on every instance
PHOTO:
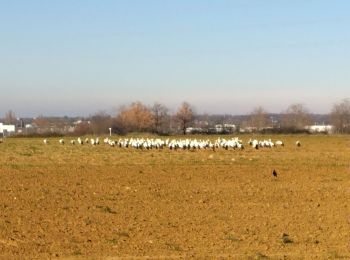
(279, 143)
(80, 141)
(111, 143)
(61, 141)
(255, 144)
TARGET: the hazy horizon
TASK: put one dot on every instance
(77, 58)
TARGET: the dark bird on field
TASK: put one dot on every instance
(274, 173)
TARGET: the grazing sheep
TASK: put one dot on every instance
(80, 141)
(255, 144)
(279, 143)
(111, 143)
(1, 141)
(179, 144)
(297, 143)
(46, 141)
(240, 146)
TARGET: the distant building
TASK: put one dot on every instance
(225, 128)
(77, 122)
(320, 128)
(7, 129)
(194, 130)
(248, 129)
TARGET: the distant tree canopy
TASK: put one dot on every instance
(100, 123)
(340, 116)
(10, 118)
(135, 118)
(83, 128)
(296, 117)
(160, 119)
(42, 122)
(259, 118)
(185, 116)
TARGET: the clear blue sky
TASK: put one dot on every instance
(65, 57)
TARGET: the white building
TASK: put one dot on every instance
(320, 128)
(225, 127)
(7, 129)
(194, 130)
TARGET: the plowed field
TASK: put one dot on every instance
(65, 201)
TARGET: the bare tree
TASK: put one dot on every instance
(58, 125)
(10, 118)
(296, 117)
(41, 122)
(340, 116)
(136, 117)
(259, 118)
(100, 123)
(160, 118)
(83, 128)
(185, 116)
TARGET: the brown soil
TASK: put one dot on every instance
(101, 202)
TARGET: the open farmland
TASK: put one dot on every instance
(76, 201)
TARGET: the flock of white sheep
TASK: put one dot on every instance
(178, 144)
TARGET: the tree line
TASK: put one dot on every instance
(137, 117)
(297, 116)
(157, 119)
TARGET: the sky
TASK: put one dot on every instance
(75, 58)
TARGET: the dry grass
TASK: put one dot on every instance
(72, 201)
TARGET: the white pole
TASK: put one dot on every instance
(110, 131)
